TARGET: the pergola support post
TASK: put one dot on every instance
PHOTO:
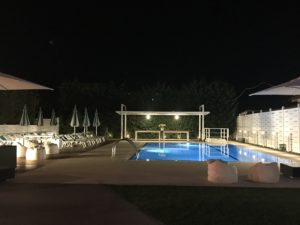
(201, 123)
(124, 113)
(123, 119)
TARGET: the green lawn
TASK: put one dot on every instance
(215, 205)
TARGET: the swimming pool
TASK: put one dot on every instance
(203, 152)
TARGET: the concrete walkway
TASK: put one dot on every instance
(66, 192)
(69, 189)
(57, 204)
(98, 167)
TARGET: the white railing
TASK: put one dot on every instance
(114, 147)
(221, 133)
(162, 135)
(147, 131)
(187, 133)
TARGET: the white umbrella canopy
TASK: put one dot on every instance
(8, 82)
(291, 88)
(40, 121)
(96, 121)
(74, 121)
(86, 120)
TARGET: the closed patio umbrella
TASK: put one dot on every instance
(24, 121)
(86, 120)
(53, 121)
(96, 121)
(74, 121)
(40, 121)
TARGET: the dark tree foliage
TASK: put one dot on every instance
(104, 97)
(216, 96)
(12, 103)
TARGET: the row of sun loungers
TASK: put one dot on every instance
(79, 140)
(36, 146)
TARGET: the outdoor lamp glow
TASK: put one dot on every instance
(148, 117)
(176, 117)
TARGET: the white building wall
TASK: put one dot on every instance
(17, 129)
(271, 129)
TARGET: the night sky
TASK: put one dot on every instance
(240, 43)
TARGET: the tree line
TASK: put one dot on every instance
(217, 97)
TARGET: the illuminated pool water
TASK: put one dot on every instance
(203, 152)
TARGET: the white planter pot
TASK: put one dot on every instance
(21, 151)
(51, 149)
(35, 154)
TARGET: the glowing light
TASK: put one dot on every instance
(176, 117)
(254, 132)
(240, 131)
(128, 135)
(262, 159)
(245, 153)
(253, 156)
(148, 117)
(262, 132)
(245, 131)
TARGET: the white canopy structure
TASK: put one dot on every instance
(291, 88)
(8, 82)
(124, 113)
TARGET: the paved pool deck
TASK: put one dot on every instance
(98, 167)
(70, 189)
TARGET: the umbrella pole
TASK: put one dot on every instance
(74, 132)
(96, 131)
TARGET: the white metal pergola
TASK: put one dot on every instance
(124, 113)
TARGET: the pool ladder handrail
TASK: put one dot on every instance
(114, 147)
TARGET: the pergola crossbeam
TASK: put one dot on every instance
(124, 113)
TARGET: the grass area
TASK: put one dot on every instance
(215, 205)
